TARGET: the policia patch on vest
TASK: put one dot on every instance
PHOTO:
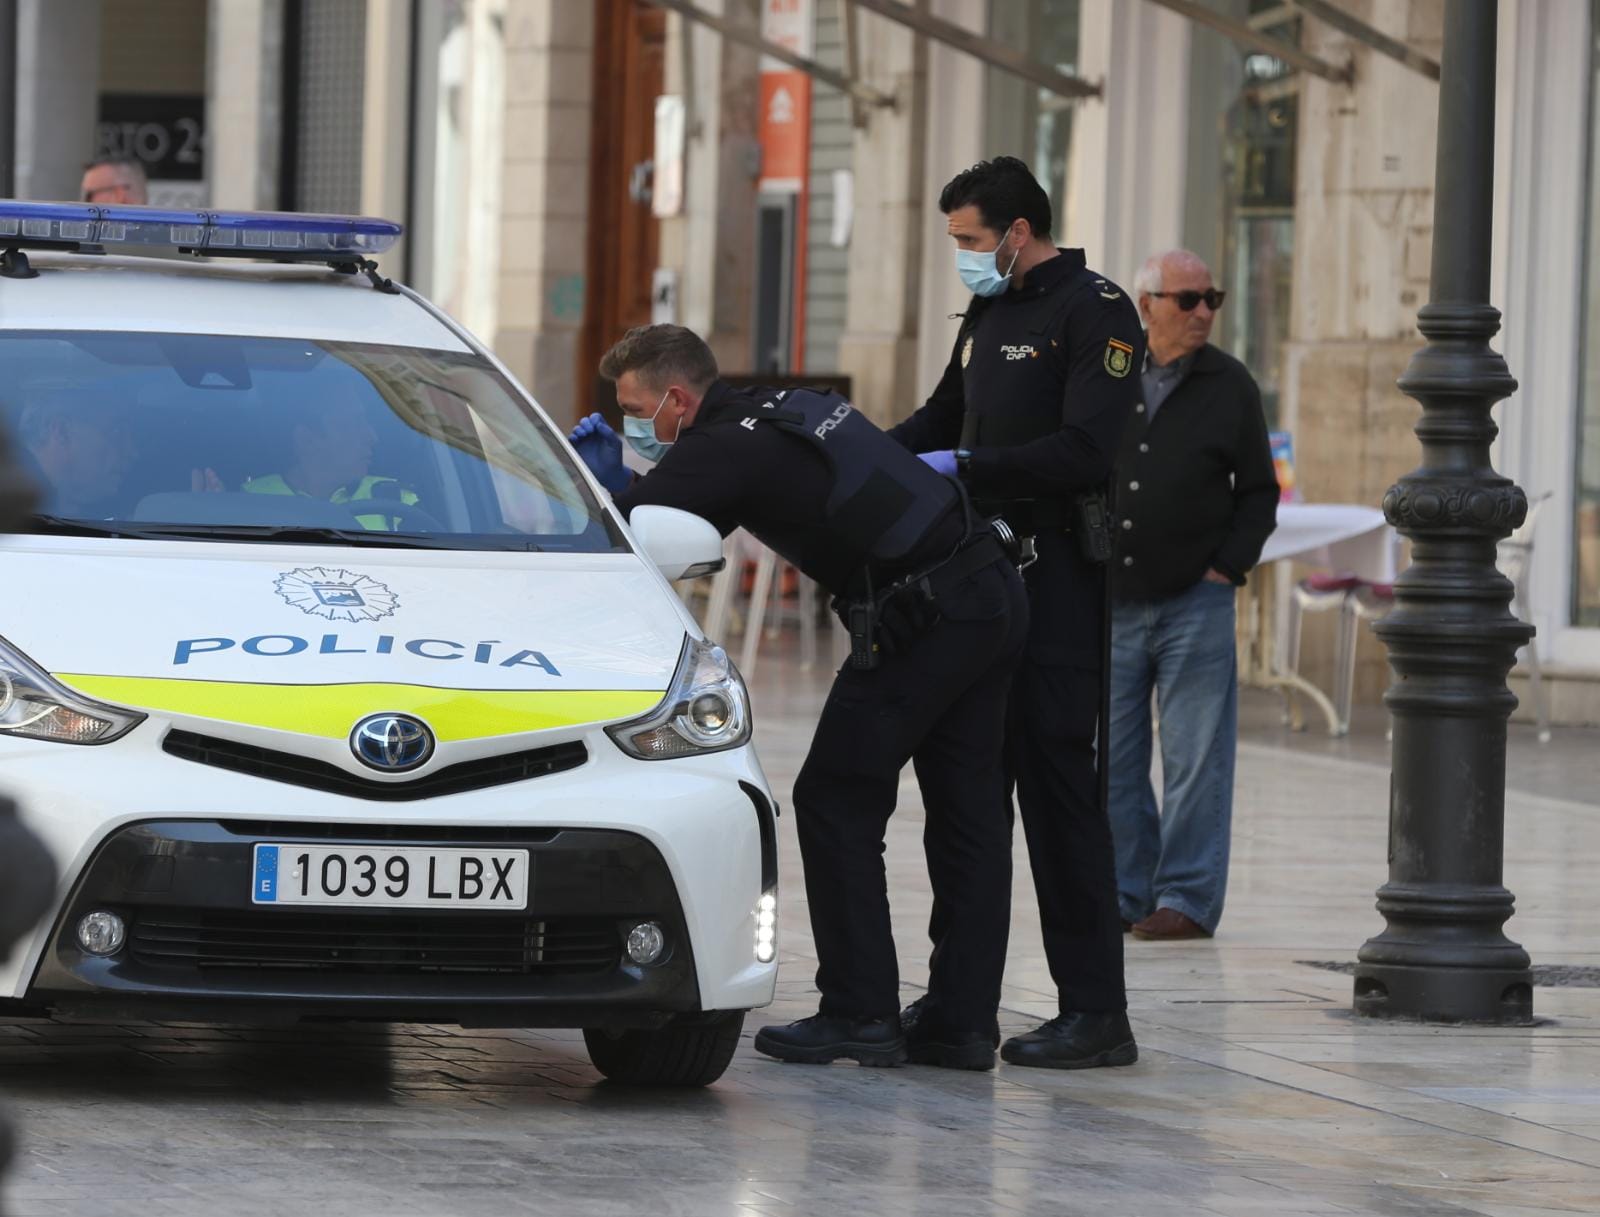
(1119, 358)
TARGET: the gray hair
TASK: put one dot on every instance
(131, 166)
(1149, 279)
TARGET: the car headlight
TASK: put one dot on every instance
(34, 705)
(706, 709)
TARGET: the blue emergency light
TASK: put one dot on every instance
(276, 235)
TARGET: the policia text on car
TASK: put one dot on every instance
(939, 616)
(1030, 411)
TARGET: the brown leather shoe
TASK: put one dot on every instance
(1168, 925)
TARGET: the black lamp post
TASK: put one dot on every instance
(1452, 639)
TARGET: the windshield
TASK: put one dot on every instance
(215, 437)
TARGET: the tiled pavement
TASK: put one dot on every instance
(1257, 1092)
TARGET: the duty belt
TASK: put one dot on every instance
(978, 551)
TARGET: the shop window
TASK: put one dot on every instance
(1022, 118)
(1586, 525)
(1250, 244)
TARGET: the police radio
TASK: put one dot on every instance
(1092, 523)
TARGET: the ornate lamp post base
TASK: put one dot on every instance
(1501, 996)
(1451, 636)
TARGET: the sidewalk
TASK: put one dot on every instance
(1257, 1091)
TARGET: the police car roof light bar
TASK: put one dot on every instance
(276, 236)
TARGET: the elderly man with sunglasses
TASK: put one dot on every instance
(1196, 499)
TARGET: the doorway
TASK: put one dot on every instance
(624, 237)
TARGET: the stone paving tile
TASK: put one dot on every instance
(1257, 1091)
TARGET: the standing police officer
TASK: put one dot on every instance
(937, 615)
(1029, 414)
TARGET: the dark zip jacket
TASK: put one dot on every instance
(1195, 489)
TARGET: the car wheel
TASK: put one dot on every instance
(682, 1054)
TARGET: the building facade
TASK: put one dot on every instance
(567, 168)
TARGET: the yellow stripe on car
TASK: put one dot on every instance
(332, 710)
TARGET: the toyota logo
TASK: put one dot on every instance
(391, 742)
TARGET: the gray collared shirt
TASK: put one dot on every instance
(1162, 380)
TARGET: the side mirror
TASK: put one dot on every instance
(681, 544)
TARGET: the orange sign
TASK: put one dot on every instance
(785, 129)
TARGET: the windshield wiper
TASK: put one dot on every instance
(63, 526)
(305, 534)
(67, 527)
(292, 533)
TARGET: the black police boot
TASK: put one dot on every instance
(822, 1038)
(929, 1041)
(1075, 1041)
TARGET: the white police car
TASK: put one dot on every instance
(333, 683)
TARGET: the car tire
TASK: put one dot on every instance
(681, 1054)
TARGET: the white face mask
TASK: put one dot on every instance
(980, 272)
(641, 433)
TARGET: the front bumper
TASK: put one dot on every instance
(690, 842)
(197, 946)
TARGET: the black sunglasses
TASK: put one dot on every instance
(1188, 301)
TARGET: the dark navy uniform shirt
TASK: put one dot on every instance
(1051, 370)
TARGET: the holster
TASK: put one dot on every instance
(890, 620)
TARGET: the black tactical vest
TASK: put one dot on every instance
(884, 499)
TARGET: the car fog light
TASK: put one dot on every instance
(646, 941)
(102, 933)
(767, 928)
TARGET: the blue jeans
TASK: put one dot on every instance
(1182, 649)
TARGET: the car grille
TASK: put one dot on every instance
(389, 944)
(319, 775)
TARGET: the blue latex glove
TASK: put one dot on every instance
(943, 461)
(601, 450)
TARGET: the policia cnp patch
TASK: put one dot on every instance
(1118, 358)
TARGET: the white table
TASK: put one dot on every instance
(1343, 537)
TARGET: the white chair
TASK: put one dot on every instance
(1368, 602)
(1372, 601)
(1514, 556)
(1318, 592)
(766, 594)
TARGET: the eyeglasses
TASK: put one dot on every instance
(1188, 301)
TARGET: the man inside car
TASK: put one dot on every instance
(81, 448)
(332, 445)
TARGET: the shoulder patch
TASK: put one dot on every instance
(1107, 292)
(1118, 358)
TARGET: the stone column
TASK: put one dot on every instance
(244, 103)
(58, 95)
(544, 198)
(879, 347)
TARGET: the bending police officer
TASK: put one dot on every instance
(1029, 414)
(937, 615)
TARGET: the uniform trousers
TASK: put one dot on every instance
(1051, 722)
(1051, 736)
(938, 702)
